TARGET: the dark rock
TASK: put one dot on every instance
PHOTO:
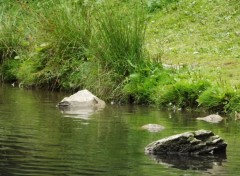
(199, 142)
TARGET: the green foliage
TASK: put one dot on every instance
(11, 32)
(158, 4)
(181, 94)
(120, 37)
(139, 86)
(66, 27)
(103, 46)
(234, 103)
(216, 98)
(9, 69)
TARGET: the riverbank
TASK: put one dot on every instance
(175, 55)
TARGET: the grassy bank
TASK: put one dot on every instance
(173, 54)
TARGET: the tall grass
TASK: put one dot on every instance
(120, 37)
(13, 37)
(73, 45)
(60, 43)
(66, 27)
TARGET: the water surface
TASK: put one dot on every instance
(38, 139)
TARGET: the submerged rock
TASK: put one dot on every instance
(199, 142)
(213, 118)
(153, 127)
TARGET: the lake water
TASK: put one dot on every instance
(37, 139)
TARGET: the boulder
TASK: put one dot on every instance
(213, 118)
(82, 98)
(81, 104)
(153, 127)
(199, 142)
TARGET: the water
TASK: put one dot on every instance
(37, 139)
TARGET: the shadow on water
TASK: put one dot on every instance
(185, 162)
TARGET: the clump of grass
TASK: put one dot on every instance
(139, 86)
(181, 94)
(11, 32)
(13, 38)
(216, 98)
(66, 27)
(61, 42)
(234, 103)
(120, 37)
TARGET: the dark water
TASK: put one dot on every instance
(37, 139)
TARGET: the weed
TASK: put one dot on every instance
(216, 98)
(181, 94)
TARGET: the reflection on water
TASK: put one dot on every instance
(186, 162)
(78, 112)
(36, 139)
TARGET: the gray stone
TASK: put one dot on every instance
(82, 99)
(213, 118)
(189, 143)
(153, 127)
(81, 104)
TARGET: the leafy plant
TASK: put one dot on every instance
(215, 98)
(181, 94)
(140, 86)
(233, 103)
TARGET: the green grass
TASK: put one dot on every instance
(120, 37)
(171, 53)
(203, 34)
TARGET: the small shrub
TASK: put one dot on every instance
(233, 104)
(215, 98)
(140, 86)
(181, 94)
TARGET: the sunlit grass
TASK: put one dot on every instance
(204, 34)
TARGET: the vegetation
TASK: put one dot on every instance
(170, 53)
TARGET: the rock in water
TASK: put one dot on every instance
(153, 128)
(82, 99)
(199, 142)
(213, 118)
(80, 105)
